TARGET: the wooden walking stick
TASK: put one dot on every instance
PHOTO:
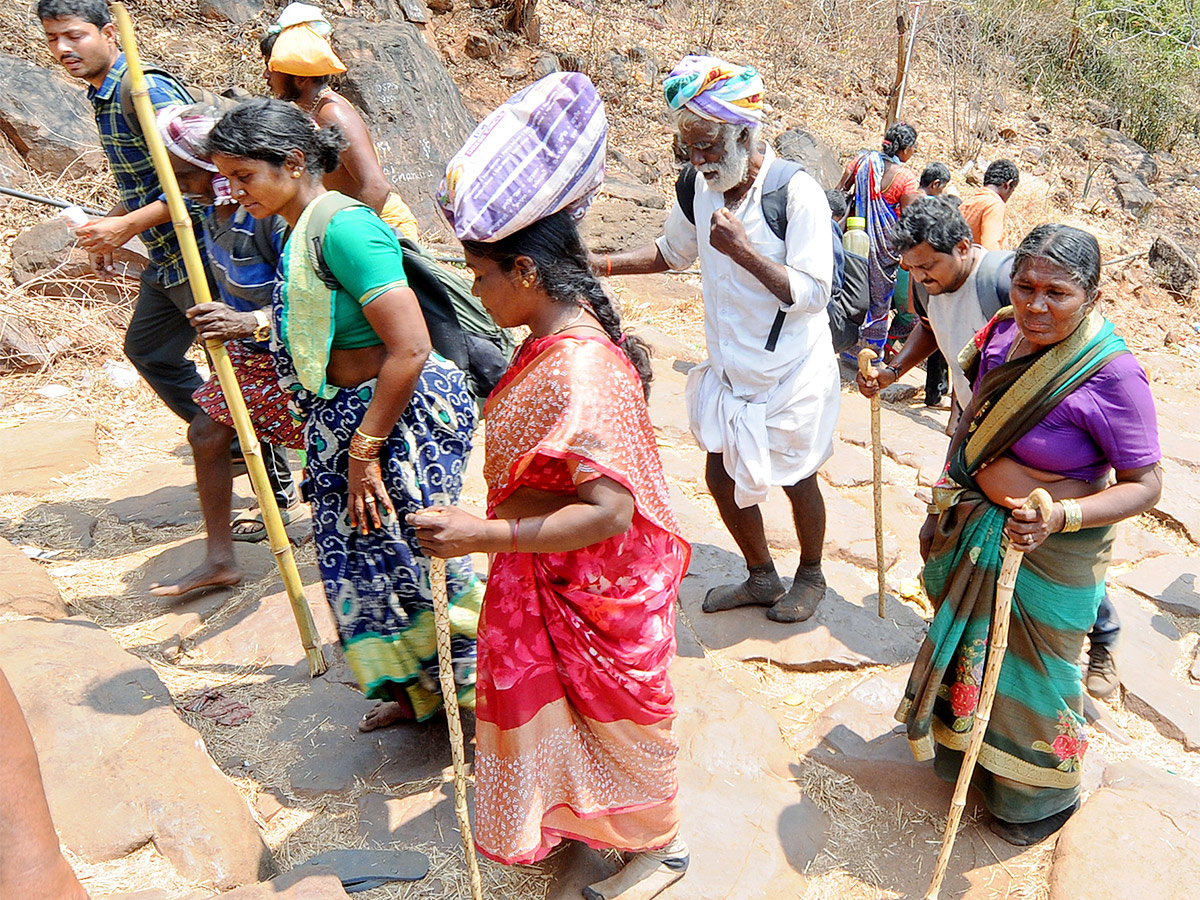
(441, 622)
(866, 356)
(281, 545)
(997, 645)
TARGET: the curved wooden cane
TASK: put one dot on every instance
(997, 645)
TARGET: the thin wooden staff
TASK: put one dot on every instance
(281, 545)
(866, 356)
(997, 645)
(441, 621)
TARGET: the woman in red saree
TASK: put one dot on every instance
(574, 706)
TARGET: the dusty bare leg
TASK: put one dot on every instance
(31, 864)
(214, 480)
(808, 589)
(762, 587)
(386, 713)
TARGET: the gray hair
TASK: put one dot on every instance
(728, 131)
(1071, 249)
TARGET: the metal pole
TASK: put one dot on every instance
(48, 201)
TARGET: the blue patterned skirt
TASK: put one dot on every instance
(378, 583)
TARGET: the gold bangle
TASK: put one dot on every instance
(364, 448)
(370, 437)
(1072, 516)
(933, 509)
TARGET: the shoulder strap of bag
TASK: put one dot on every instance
(198, 95)
(327, 207)
(685, 192)
(993, 281)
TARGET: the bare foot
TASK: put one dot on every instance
(385, 713)
(207, 574)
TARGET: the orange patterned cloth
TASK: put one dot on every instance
(573, 703)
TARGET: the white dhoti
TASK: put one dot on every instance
(779, 437)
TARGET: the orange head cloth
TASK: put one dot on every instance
(300, 50)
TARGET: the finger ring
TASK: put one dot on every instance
(368, 500)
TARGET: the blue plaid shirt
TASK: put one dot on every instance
(132, 167)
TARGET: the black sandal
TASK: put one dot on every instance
(1026, 834)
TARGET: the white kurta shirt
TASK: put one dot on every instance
(771, 414)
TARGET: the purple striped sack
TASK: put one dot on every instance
(540, 152)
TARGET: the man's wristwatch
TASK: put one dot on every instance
(895, 370)
(262, 333)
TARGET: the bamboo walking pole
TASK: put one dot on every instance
(281, 545)
(997, 645)
(441, 621)
(866, 356)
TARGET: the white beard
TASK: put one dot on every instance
(730, 171)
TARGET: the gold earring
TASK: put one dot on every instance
(295, 173)
(527, 282)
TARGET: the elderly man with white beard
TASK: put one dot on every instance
(764, 404)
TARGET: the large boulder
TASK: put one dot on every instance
(121, 769)
(817, 157)
(47, 119)
(1139, 836)
(12, 168)
(1174, 266)
(50, 249)
(35, 453)
(25, 588)
(414, 109)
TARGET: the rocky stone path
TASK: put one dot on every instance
(795, 780)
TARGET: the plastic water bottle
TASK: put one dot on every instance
(856, 240)
(75, 216)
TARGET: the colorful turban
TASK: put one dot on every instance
(716, 90)
(540, 152)
(302, 47)
(185, 129)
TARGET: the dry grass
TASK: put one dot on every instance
(815, 65)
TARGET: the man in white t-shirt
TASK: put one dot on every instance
(934, 241)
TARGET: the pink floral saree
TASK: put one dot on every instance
(574, 707)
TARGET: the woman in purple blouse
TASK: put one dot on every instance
(1059, 403)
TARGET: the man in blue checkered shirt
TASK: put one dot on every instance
(82, 37)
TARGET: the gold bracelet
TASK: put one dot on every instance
(1072, 516)
(364, 448)
(933, 510)
(370, 437)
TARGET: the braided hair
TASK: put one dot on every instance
(899, 137)
(554, 245)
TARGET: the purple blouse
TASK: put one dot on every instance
(1107, 422)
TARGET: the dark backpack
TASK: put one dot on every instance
(851, 296)
(993, 281)
(848, 300)
(199, 95)
(460, 329)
